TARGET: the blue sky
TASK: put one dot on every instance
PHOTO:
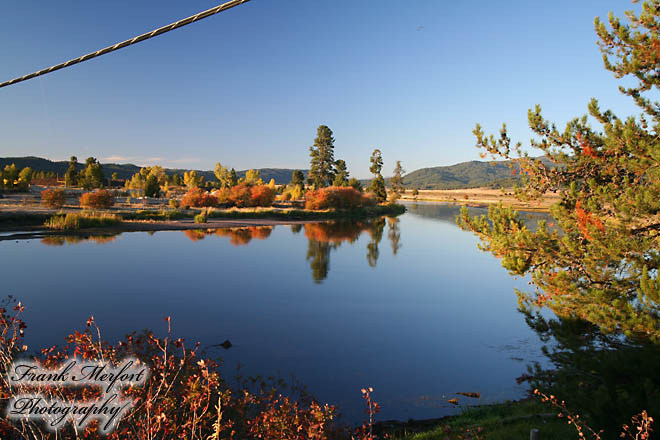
(248, 87)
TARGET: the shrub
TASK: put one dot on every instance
(53, 198)
(174, 203)
(262, 195)
(75, 221)
(336, 197)
(198, 198)
(183, 396)
(201, 217)
(240, 195)
(97, 199)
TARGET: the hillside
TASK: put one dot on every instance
(462, 175)
(125, 171)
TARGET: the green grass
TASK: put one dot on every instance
(151, 214)
(302, 214)
(75, 221)
(501, 421)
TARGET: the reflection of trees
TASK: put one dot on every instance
(606, 378)
(238, 236)
(376, 233)
(323, 237)
(61, 240)
(394, 234)
(296, 228)
(319, 254)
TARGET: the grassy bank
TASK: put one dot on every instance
(82, 220)
(500, 421)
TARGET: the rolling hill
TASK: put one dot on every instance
(125, 171)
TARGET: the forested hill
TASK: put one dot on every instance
(471, 174)
(125, 171)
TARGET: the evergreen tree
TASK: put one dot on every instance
(353, 182)
(233, 178)
(92, 176)
(396, 182)
(600, 261)
(71, 174)
(151, 186)
(377, 186)
(341, 176)
(322, 164)
(297, 178)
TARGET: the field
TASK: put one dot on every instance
(482, 197)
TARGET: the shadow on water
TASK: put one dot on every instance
(606, 378)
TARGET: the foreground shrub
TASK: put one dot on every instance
(100, 199)
(198, 198)
(337, 197)
(183, 397)
(74, 221)
(53, 198)
(201, 217)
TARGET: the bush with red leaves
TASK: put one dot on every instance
(337, 197)
(99, 199)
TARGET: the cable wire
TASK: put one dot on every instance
(139, 38)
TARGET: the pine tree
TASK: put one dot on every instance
(377, 186)
(297, 178)
(71, 174)
(92, 175)
(341, 176)
(598, 261)
(396, 182)
(322, 164)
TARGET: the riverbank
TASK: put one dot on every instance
(29, 221)
(510, 420)
(482, 197)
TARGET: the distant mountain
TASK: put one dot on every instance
(471, 174)
(125, 171)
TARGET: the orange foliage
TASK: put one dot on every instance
(240, 195)
(336, 197)
(262, 195)
(242, 236)
(53, 198)
(244, 195)
(584, 219)
(98, 199)
(198, 198)
(334, 232)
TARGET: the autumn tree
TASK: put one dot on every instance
(191, 179)
(377, 186)
(322, 164)
(226, 177)
(252, 177)
(396, 182)
(598, 260)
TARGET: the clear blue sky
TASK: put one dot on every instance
(248, 87)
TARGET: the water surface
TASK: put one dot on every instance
(408, 306)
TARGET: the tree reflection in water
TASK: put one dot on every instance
(324, 237)
(606, 378)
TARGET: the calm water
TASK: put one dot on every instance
(409, 306)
